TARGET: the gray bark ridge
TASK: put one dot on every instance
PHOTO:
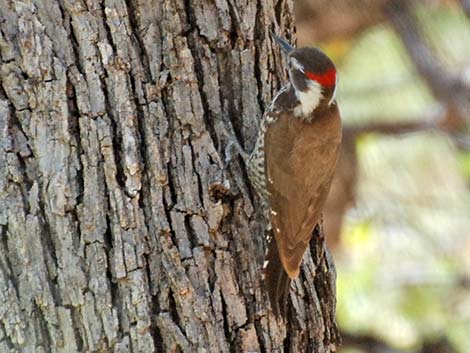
(120, 231)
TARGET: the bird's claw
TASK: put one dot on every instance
(229, 149)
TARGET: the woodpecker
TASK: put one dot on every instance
(293, 163)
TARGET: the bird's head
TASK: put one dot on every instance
(312, 75)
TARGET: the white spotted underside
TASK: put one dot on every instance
(256, 167)
(308, 101)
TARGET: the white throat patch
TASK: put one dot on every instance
(308, 100)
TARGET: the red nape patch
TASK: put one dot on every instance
(326, 79)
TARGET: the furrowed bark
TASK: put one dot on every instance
(120, 230)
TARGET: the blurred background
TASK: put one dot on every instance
(398, 216)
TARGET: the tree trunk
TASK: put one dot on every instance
(120, 229)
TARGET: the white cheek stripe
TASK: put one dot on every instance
(309, 100)
(297, 64)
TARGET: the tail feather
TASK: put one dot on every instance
(276, 280)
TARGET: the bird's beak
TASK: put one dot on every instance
(286, 47)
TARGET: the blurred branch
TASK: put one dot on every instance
(447, 87)
(392, 84)
(437, 118)
(343, 189)
(370, 344)
(466, 6)
(322, 20)
(393, 128)
(445, 121)
(441, 345)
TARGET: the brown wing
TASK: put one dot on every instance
(300, 160)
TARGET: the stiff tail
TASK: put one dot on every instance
(276, 280)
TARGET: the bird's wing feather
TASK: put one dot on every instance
(300, 162)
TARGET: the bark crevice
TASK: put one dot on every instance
(120, 229)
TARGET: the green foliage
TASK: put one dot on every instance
(464, 164)
(448, 29)
(407, 241)
(379, 83)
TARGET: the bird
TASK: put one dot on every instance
(293, 163)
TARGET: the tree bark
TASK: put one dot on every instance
(120, 229)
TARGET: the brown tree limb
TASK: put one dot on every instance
(448, 87)
(368, 344)
(466, 7)
(372, 344)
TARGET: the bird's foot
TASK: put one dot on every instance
(234, 146)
